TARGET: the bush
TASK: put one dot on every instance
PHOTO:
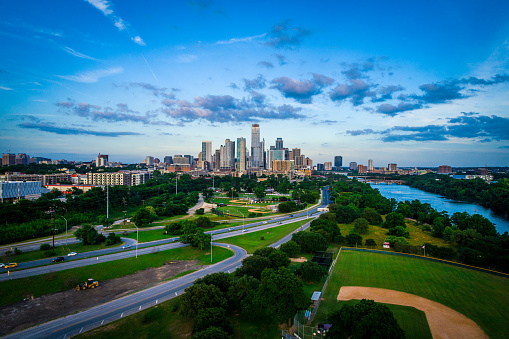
(399, 231)
(291, 248)
(311, 271)
(361, 226)
(200, 211)
(113, 239)
(17, 251)
(353, 239)
(45, 247)
(370, 242)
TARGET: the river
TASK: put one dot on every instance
(438, 202)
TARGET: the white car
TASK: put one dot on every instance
(264, 222)
(125, 246)
(72, 254)
(2, 265)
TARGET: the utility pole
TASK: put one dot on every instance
(107, 202)
(176, 183)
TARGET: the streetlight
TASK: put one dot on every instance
(243, 229)
(65, 231)
(136, 239)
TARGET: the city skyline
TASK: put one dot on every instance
(397, 83)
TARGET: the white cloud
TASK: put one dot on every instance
(139, 41)
(78, 54)
(235, 40)
(102, 5)
(5, 88)
(92, 76)
(185, 58)
(119, 23)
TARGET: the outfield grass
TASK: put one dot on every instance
(59, 251)
(18, 289)
(482, 297)
(251, 241)
(239, 210)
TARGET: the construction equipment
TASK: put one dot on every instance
(90, 283)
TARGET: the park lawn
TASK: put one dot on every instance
(53, 282)
(482, 297)
(251, 241)
(59, 251)
(150, 235)
(166, 321)
(418, 237)
(237, 211)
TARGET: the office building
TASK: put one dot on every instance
(275, 154)
(327, 166)
(320, 167)
(206, 152)
(18, 189)
(353, 166)
(8, 159)
(362, 169)
(101, 160)
(392, 167)
(216, 162)
(444, 169)
(370, 165)
(190, 159)
(180, 160)
(282, 165)
(295, 153)
(279, 143)
(227, 154)
(22, 159)
(256, 147)
(338, 162)
(149, 160)
(168, 160)
(241, 154)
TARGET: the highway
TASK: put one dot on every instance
(118, 308)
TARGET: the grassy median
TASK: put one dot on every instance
(19, 289)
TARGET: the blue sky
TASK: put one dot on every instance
(415, 83)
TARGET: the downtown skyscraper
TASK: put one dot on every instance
(241, 154)
(256, 147)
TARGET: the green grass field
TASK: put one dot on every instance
(18, 289)
(251, 241)
(239, 210)
(151, 235)
(482, 297)
(165, 321)
(59, 251)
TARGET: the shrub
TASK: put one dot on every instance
(45, 247)
(399, 231)
(360, 226)
(200, 211)
(353, 239)
(370, 242)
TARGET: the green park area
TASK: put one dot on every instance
(59, 251)
(251, 241)
(482, 297)
(19, 289)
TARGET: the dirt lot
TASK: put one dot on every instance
(443, 321)
(29, 313)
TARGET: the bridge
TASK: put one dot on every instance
(380, 180)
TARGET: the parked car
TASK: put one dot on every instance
(72, 254)
(125, 246)
(11, 265)
(57, 259)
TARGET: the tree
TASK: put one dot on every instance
(143, 217)
(253, 266)
(291, 248)
(213, 316)
(212, 333)
(200, 211)
(372, 216)
(195, 236)
(447, 233)
(370, 242)
(310, 242)
(287, 207)
(45, 247)
(361, 226)
(366, 319)
(88, 235)
(353, 239)
(328, 228)
(113, 239)
(221, 280)
(398, 231)
(203, 222)
(201, 296)
(242, 293)
(394, 219)
(259, 192)
(281, 294)
(311, 271)
(346, 214)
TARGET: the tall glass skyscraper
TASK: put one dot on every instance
(256, 147)
(241, 154)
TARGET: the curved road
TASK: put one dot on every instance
(118, 308)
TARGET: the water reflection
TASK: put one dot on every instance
(402, 193)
